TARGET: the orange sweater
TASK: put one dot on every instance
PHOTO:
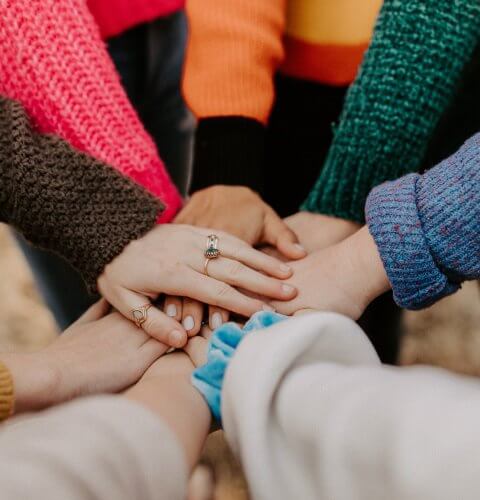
(236, 47)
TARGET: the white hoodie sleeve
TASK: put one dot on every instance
(312, 414)
(97, 448)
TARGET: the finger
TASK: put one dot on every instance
(172, 307)
(236, 249)
(238, 275)
(213, 292)
(192, 314)
(216, 317)
(206, 332)
(94, 313)
(153, 349)
(196, 349)
(158, 325)
(201, 485)
(279, 235)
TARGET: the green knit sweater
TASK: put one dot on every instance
(405, 83)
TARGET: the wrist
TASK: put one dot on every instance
(35, 381)
(371, 278)
(166, 391)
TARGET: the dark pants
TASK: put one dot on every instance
(149, 59)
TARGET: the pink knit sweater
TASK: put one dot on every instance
(115, 16)
(53, 61)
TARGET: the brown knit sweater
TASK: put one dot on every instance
(65, 201)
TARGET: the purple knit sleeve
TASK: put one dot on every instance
(427, 228)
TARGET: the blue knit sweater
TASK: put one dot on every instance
(427, 228)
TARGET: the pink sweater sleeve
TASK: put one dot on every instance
(53, 61)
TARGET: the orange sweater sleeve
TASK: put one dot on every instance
(234, 49)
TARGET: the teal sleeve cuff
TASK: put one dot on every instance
(208, 379)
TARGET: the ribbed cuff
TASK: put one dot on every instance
(394, 222)
(390, 112)
(231, 151)
(208, 379)
(7, 399)
(348, 176)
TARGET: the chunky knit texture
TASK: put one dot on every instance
(115, 16)
(427, 228)
(408, 77)
(7, 399)
(65, 201)
(53, 61)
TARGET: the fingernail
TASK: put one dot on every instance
(299, 247)
(177, 338)
(287, 289)
(217, 321)
(171, 310)
(188, 323)
(268, 308)
(285, 268)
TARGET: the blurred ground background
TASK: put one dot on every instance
(447, 335)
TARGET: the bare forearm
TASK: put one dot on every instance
(34, 381)
(168, 392)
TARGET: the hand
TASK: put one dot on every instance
(343, 278)
(317, 231)
(96, 354)
(170, 260)
(197, 347)
(239, 211)
(191, 314)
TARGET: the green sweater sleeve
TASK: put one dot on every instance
(405, 83)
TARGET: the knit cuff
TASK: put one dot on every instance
(6, 393)
(394, 222)
(65, 201)
(229, 150)
(208, 379)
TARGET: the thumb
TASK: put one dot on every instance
(278, 234)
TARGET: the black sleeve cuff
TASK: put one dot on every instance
(231, 151)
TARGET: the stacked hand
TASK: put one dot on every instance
(170, 260)
(329, 278)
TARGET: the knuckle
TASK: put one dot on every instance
(154, 325)
(235, 268)
(223, 291)
(237, 252)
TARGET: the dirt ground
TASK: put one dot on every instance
(447, 335)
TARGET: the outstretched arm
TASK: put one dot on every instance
(405, 83)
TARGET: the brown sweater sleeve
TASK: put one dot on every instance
(65, 201)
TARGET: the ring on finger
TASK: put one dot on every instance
(205, 267)
(212, 251)
(140, 314)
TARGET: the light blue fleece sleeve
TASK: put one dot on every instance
(208, 379)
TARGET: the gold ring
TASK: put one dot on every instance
(140, 314)
(212, 251)
(205, 266)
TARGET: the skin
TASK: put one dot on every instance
(166, 390)
(343, 278)
(241, 212)
(170, 260)
(99, 353)
(317, 231)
